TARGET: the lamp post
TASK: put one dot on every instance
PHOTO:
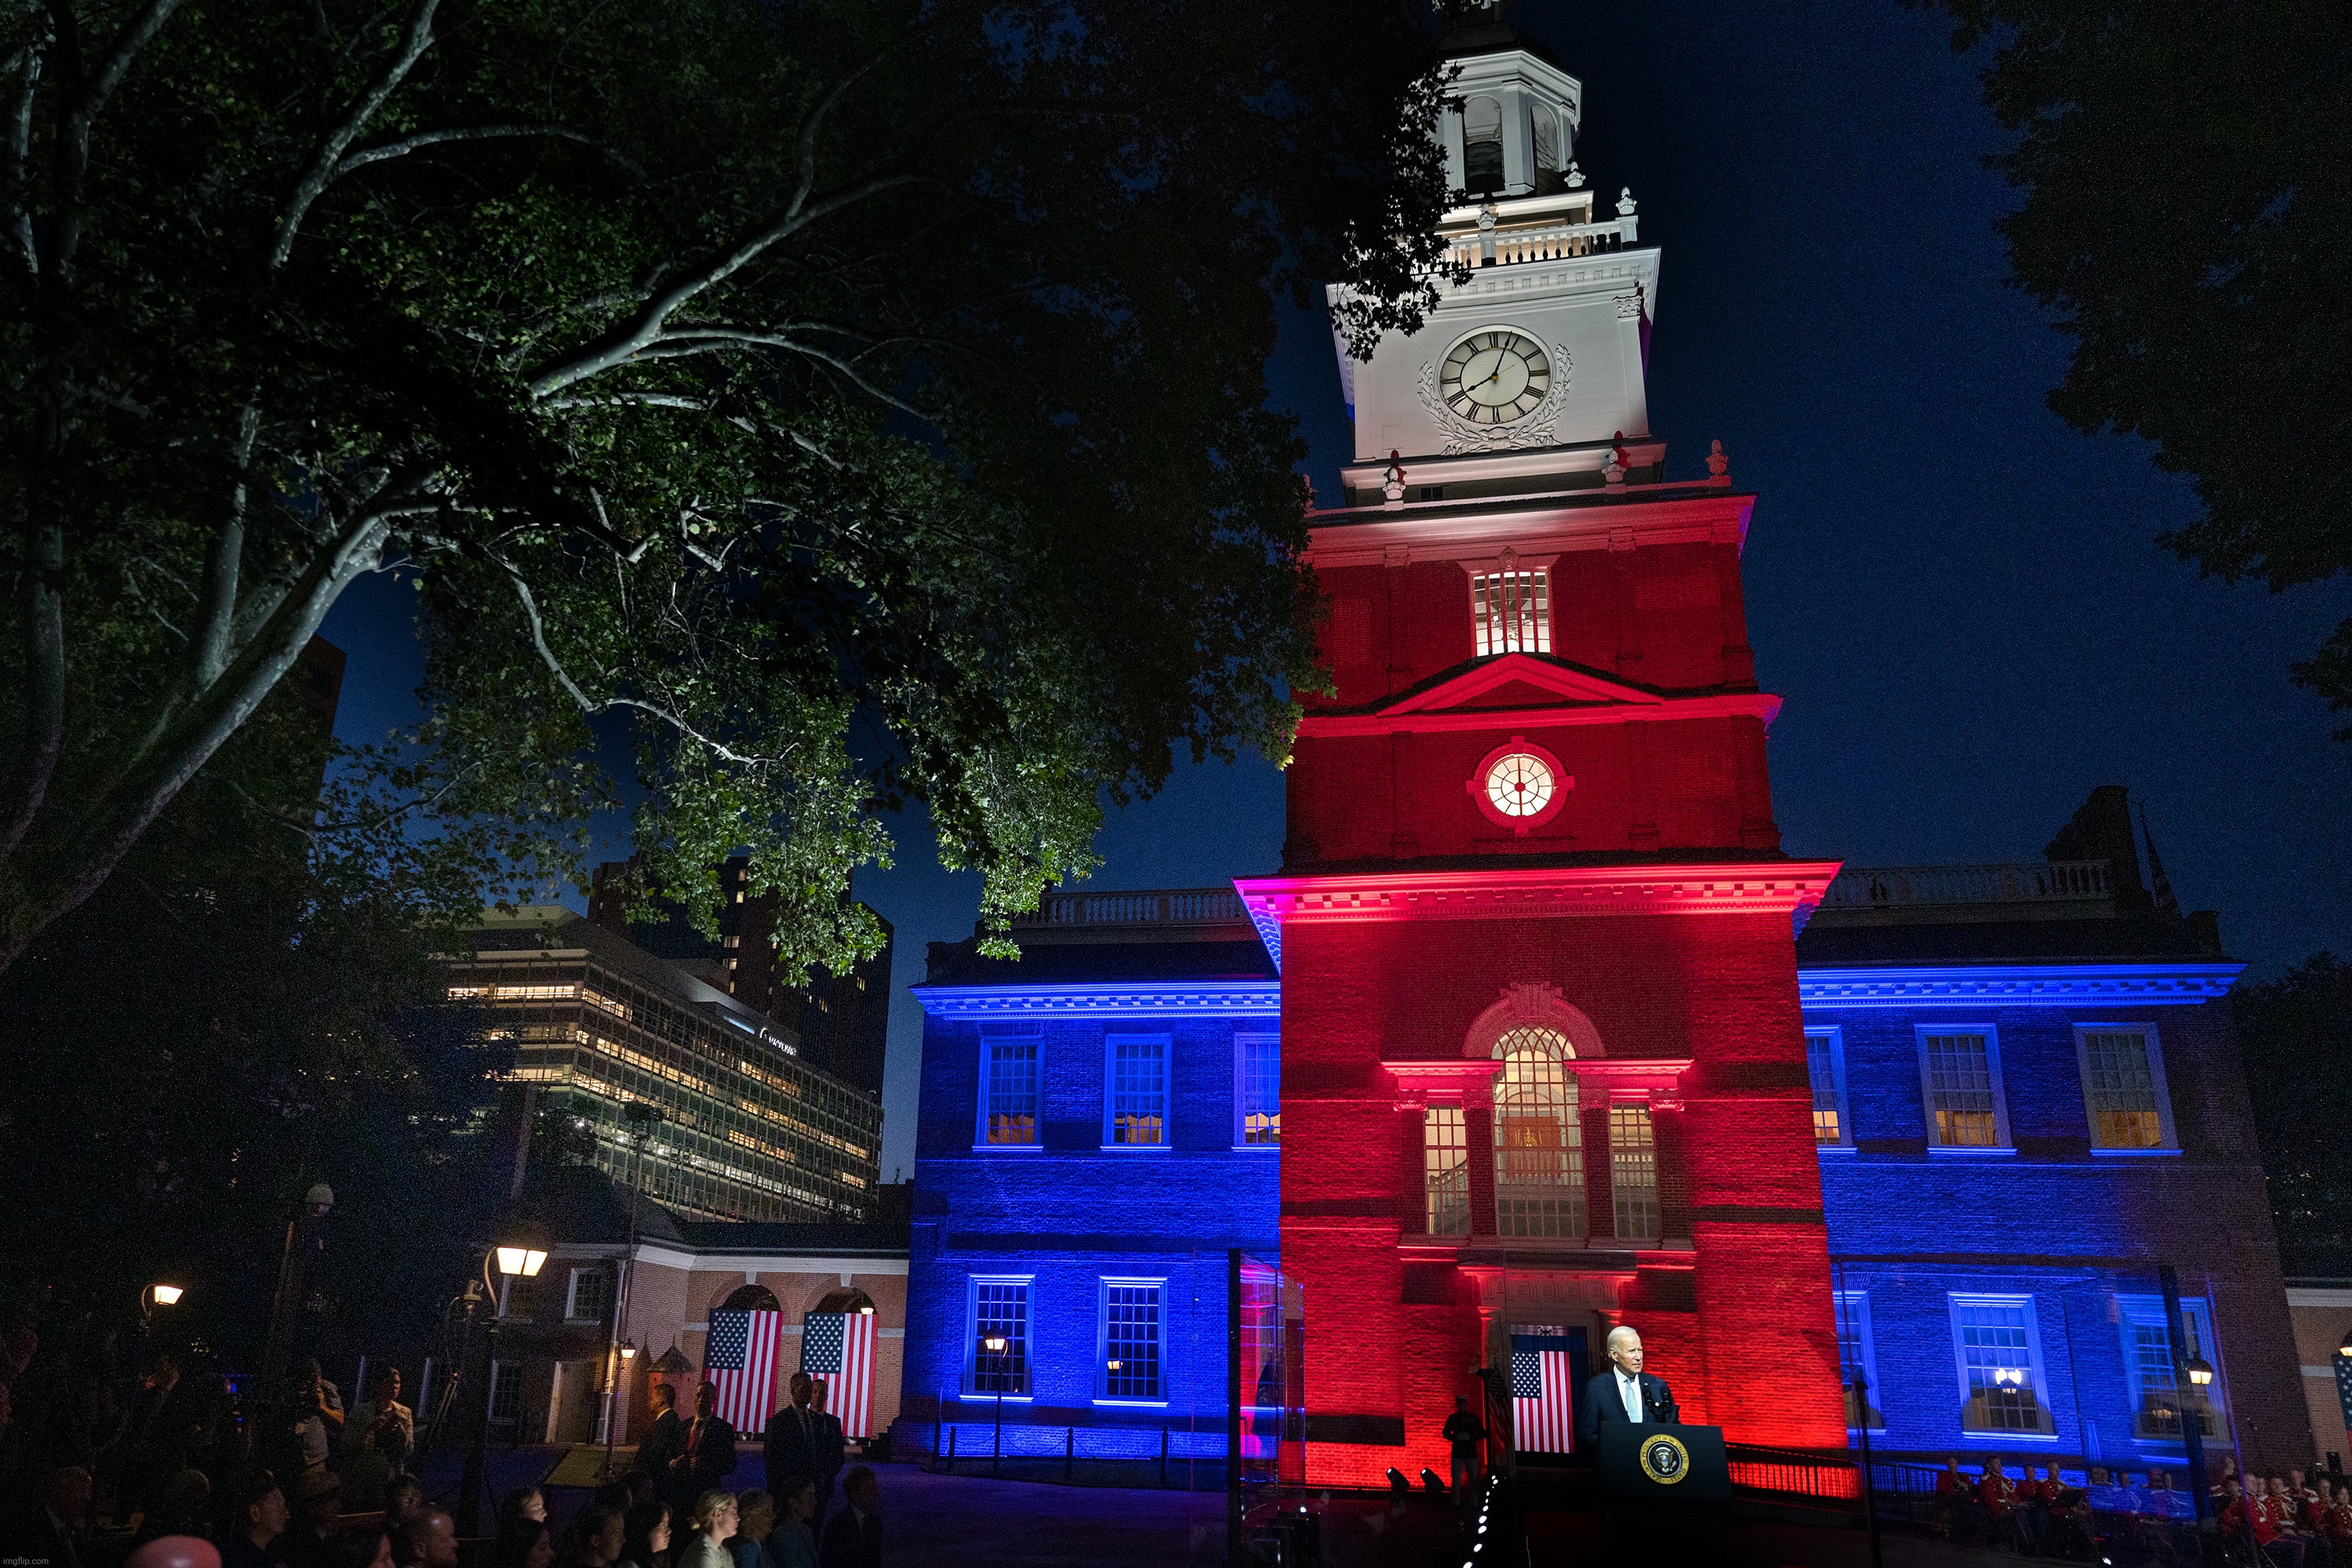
(292, 1264)
(2191, 1375)
(994, 1345)
(522, 1257)
(641, 1118)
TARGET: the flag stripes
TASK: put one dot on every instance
(838, 1349)
(1543, 1389)
(740, 1358)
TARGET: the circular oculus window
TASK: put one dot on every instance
(1519, 785)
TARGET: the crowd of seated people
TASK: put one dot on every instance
(2146, 1516)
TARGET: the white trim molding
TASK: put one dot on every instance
(2018, 984)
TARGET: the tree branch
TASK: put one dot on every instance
(73, 138)
(408, 145)
(640, 330)
(217, 611)
(44, 708)
(415, 39)
(28, 60)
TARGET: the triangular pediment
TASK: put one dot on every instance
(1519, 681)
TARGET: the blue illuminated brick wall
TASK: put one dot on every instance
(1070, 1213)
(2078, 1232)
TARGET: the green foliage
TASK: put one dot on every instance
(2187, 179)
(2296, 1033)
(861, 402)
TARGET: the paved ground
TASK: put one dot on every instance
(988, 1522)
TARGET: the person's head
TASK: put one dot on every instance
(189, 1493)
(1952, 1464)
(644, 1533)
(2099, 1475)
(321, 1504)
(816, 1393)
(665, 1398)
(265, 1510)
(2326, 1487)
(595, 1537)
(755, 1515)
(427, 1540)
(2231, 1488)
(2278, 1486)
(797, 1498)
(714, 1515)
(65, 1492)
(1462, 1403)
(1625, 1348)
(1992, 1465)
(864, 1492)
(163, 1369)
(800, 1388)
(706, 1400)
(404, 1499)
(523, 1543)
(383, 1387)
(176, 1551)
(523, 1503)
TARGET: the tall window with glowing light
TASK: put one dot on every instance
(1539, 1140)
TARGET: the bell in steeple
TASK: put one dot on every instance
(1511, 131)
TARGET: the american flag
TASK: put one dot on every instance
(740, 1359)
(838, 1349)
(1546, 1364)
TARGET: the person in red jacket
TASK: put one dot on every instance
(2243, 1515)
(1997, 1492)
(1954, 1493)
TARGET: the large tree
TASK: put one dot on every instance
(861, 400)
(2293, 1032)
(2187, 171)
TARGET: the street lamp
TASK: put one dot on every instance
(994, 1345)
(521, 1253)
(2345, 1348)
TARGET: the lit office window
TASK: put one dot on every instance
(2156, 1404)
(1512, 612)
(1131, 1339)
(1011, 1114)
(1257, 1081)
(1445, 1161)
(1962, 1105)
(2119, 1084)
(2001, 1373)
(1138, 1091)
(1633, 1169)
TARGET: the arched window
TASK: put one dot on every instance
(1482, 147)
(1550, 142)
(844, 1301)
(753, 1299)
(1539, 1140)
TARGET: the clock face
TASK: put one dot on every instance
(1494, 378)
(1519, 785)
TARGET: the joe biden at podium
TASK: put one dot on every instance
(1624, 1392)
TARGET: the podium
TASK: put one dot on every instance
(1663, 1465)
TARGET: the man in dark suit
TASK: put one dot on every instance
(1624, 1392)
(709, 1457)
(789, 1446)
(665, 1439)
(832, 1451)
(854, 1539)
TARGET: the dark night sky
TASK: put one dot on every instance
(1959, 597)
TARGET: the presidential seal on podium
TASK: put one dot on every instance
(1663, 1459)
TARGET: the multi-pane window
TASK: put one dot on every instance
(1539, 1143)
(1131, 1339)
(2147, 1359)
(1963, 1102)
(2001, 1374)
(506, 1391)
(1822, 1065)
(1257, 1085)
(1012, 1089)
(999, 1313)
(1633, 1169)
(1139, 1090)
(588, 1294)
(2121, 1088)
(1445, 1162)
(1511, 612)
(1856, 1355)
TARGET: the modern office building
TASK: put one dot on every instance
(843, 1021)
(748, 1130)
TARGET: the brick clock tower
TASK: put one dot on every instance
(1543, 1070)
